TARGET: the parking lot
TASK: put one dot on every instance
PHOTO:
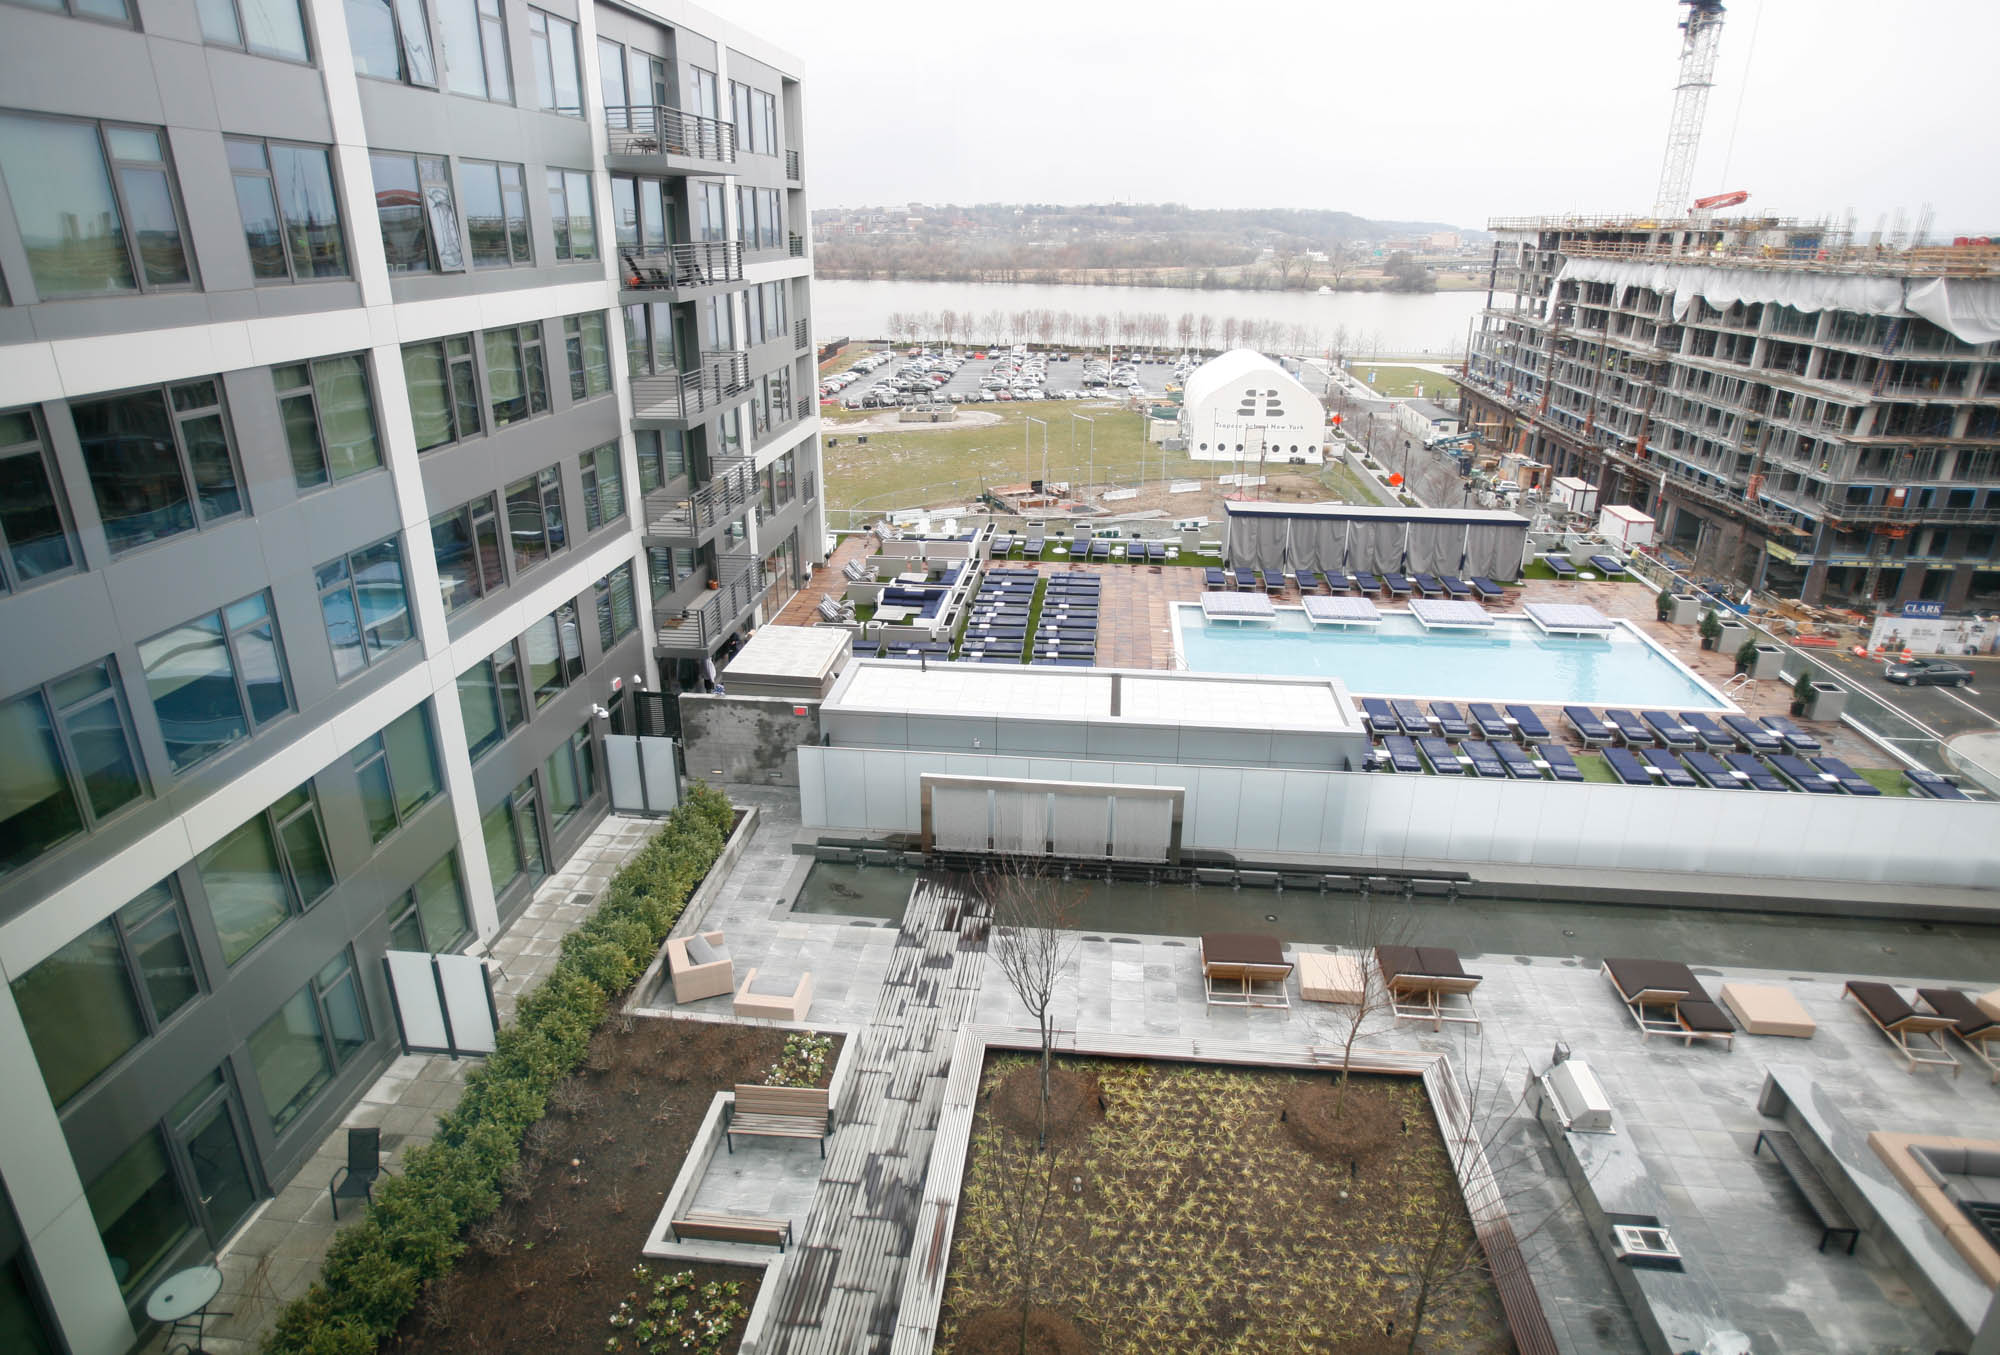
(977, 376)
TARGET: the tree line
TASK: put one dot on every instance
(1173, 262)
(1188, 332)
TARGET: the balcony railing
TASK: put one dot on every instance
(697, 628)
(792, 171)
(805, 406)
(798, 246)
(684, 517)
(695, 264)
(802, 335)
(691, 394)
(642, 129)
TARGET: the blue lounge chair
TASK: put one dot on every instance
(1339, 581)
(1670, 730)
(1712, 770)
(1307, 580)
(1412, 717)
(1631, 729)
(1428, 585)
(1211, 579)
(1561, 765)
(1246, 580)
(1486, 588)
(1530, 724)
(1491, 724)
(1930, 784)
(1156, 552)
(1593, 731)
(1367, 582)
(1609, 564)
(1806, 778)
(1100, 549)
(1002, 547)
(1668, 766)
(1851, 781)
(1031, 549)
(1518, 763)
(1751, 736)
(1397, 585)
(1442, 757)
(1274, 581)
(1402, 753)
(1796, 739)
(1627, 768)
(1455, 586)
(1706, 730)
(1754, 771)
(1381, 720)
(1562, 567)
(1484, 760)
(1449, 722)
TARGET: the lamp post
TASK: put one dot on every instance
(1073, 418)
(1028, 440)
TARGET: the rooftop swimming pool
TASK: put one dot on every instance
(1511, 661)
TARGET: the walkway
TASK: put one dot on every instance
(839, 1291)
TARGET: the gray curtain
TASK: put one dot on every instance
(1257, 542)
(1495, 550)
(1316, 543)
(1435, 547)
(1378, 545)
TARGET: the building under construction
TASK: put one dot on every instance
(1814, 416)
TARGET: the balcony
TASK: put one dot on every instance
(793, 170)
(798, 246)
(685, 397)
(656, 133)
(801, 335)
(700, 626)
(690, 519)
(682, 269)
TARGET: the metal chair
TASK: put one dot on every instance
(364, 1165)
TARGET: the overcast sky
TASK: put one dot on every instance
(1452, 110)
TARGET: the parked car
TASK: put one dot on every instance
(1929, 673)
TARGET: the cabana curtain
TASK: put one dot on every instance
(1378, 540)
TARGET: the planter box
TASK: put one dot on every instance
(1828, 701)
(1769, 659)
(1686, 610)
(1733, 636)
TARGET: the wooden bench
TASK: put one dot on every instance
(1826, 1207)
(780, 1113)
(732, 1228)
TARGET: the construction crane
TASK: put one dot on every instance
(1701, 40)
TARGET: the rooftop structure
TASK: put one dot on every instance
(1241, 406)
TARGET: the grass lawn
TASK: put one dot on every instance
(1595, 768)
(1349, 485)
(1392, 380)
(846, 358)
(1888, 780)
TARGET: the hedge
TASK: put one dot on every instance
(416, 1228)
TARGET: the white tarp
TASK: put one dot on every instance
(1968, 308)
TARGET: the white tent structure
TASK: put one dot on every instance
(1243, 407)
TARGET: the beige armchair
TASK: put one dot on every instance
(711, 976)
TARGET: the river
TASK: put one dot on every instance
(1386, 323)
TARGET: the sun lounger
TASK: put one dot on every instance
(1561, 765)
(1427, 983)
(1796, 739)
(1100, 549)
(1918, 1036)
(1706, 731)
(1530, 724)
(1712, 770)
(1669, 729)
(1751, 736)
(1563, 568)
(1367, 582)
(1519, 763)
(1397, 585)
(1492, 725)
(1608, 564)
(1449, 722)
(1233, 964)
(1412, 717)
(1274, 581)
(1212, 580)
(1001, 546)
(1428, 585)
(1978, 1031)
(1850, 780)
(1246, 580)
(836, 612)
(1485, 762)
(1588, 727)
(1486, 588)
(1307, 580)
(1339, 581)
(1627, 768)
(1402, 753)
(1754, 771)
(1665, 998)
(1381, 720)
(1805, 777)
(1929, 783)
(1444, 759)
(1455, 586)
(1669, 767)
(1632, 731)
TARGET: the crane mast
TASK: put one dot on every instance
(1701, 39)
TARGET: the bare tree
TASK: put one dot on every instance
(1029, 1184)
(1184, 328)
(1378, 920)
(1034, 940)
(1207, 330)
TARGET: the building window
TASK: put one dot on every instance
(555, 653)
(215, 678)
(490, 700)
(589, 354)
(603, 491)
(770, 220)
(266, 27)
(100, 995)
(466, 542)
(496, 213)
(662, 457)
(139, 1211)
(570, 774)
(517, 381)
(707, 93)
(513, 836)
(96, 205)
(668, 569)
(329, 418)
(573, 213)
(112, 11)
(307, 1041)
(640, 218)
(367, 610)
(766, 110)
(35, 538)
(160, 461)
(474, 34)
(432, 916)
(290, 213)
(417, 212)
(273, 865)
(558, 87)
(617, 610)
(391, 40)
(397, 772)
(71, 761)
(710, 212)
(649, 339)
(535, 521)
(443, 382)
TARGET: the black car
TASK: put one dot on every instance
(1929, 673)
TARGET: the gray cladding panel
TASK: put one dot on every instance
(1039, 737)
(43, 59)
(484, 465)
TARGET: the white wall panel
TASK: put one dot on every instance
(1476, 820)
(1211, 813)
(1258, 809)
(812, 783)
(1303, 811)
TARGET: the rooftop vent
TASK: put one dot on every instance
(1578, 1098)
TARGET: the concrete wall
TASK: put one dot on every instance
(746, 738)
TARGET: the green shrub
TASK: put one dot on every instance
(414, 1229)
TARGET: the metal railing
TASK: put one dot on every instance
(685, 395)
(793, 167)
(695, 629)
(701, 263)
(805, 406)
(686, 516)
(642, 129)
(798, 246)
(802, 334)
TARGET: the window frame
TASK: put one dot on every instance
(348, 581)
(546, 487)
(487, 16)
(605, 595)
(135, 259)
(70, 764)
(470, 516)
(590, 465)
(460, 359)
(506, 659)
(541, 41)
(12, 580)
(375, 748)
(269, 176)
(443, 223)
(70, 11)
(406, 66)
(563, 216)
(311, 391)
(532, 370)
(576, 351)
(242, 43)
(406, 908)
(227, 632)
(515, 196)
(332, 1061)
(200, 519)
(580, 754)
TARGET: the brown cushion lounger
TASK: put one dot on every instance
(1648, 987)
(1915, 1034)
(1421, 978)
(1244, 959)
(1975, 1029)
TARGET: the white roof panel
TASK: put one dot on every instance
(1437, 612)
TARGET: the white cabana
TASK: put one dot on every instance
(1243, 407)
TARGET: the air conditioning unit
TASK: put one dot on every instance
(1643, 1243)
(1578, 1097)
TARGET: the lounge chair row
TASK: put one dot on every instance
(1339, 581)
(1689, 729)
(1389, 716)
(1512, 761)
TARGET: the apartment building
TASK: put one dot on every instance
(1813, 416)
(389, 389)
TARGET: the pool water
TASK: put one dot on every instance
(1513, 661)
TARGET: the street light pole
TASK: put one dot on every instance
(1027, 438)
(1073, 417)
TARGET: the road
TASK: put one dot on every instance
(1944, 711)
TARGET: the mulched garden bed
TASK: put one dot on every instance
(1195, 1207)
(544, 1275)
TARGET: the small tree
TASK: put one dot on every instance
(1379, 920)
(1802, 692)
(1711, 629)
(1663, 605)
(1746, 656)
(1033, 942)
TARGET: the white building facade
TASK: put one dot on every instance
(1243, 407)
